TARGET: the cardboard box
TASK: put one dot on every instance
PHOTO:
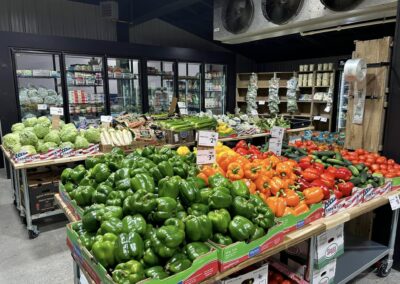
(285, 270)
(333, 206)
(174, 137)
(371, 192)
(202, 268)
(293, 223)
(257, 276)
(74, 208)
(325, 275)
(330, 245)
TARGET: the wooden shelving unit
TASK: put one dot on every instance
(308, 109)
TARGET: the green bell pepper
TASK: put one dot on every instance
(205, 194)
(103, 249)
(88, 181)
(180, 169)
(100, 172)
(258, 233)
(143, 181)
(129, 272)
(114, 202)
(112, 225)
(178, 223)
(170, 236)
(193, 171)
(220, 220)
(69, 186)
(198, 228)
(156, 174)
(220, 197)
(78, 173)
(181, 215)
(222, 239)
(165, 208)
(166, 169)
(141, 201)
(159, 248)
(150, 258)
(198, 182)
(239, 188)
(87, 239)
(117, 194)
(241, 228)
(117, 151)
(264, 217)
(110, 180)
(122, 174)
(196, 249)
(189, 193)
(148, 151)
(66, 175)
(128, 246)
(158, 158)
(83, 195)
(112, 212)
(135, 223)
(91, 220)
(101, 193)
(156, 272)
(127, 163)
(198, 209)
(243, 207)
(169, 187)
(123, 184)
(178, 263)
(90, 162)
(134, 172)
(218, 180)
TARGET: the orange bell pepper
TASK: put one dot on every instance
(250, 185)
(203, 176)
(263, 183)
(208, 171)
(274, 160)
(235, 171)
(265, 196)
(288, 211)
(277, 184)
(252, 171)
(283, 169)
(225, 161)
(313, 195)
(277, 205)
(291, 179)
(291, 197)
(301, 208)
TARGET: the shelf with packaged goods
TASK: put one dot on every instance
(85, 85)
(85, 71)
(38, 77)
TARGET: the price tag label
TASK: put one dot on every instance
(317, 118)
(394, 201)
(205, 157)
(275, 146)
(324, 119)
(42, 107)
(181, 104)
(277, 132)
(183, 111)
(106, 118)
(261, 103)
(56, 111)
(207, 138)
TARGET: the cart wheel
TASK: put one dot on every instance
(32, 234)
(23, 219)
(382, 269)
(15, 203)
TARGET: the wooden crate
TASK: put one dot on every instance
(369, 134)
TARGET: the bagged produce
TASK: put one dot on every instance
(273, 96)
(291, 96)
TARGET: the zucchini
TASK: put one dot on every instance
(354, 170)
(335, 162)
(356, 181)
(324, 153)
(363, 177)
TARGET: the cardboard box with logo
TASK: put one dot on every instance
(257, 276)
(325, 275)
(330, 245)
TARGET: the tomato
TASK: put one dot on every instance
(360, 151)
(355, 161)
(381, 160)
(398, 173)
(390, 175)
(384, 172)
(362, 158)
(392, 170)
(353, 154)
(368, 164)
(286, 282)
(375, 167)
(344, 152)
(396, 166)
(383, 166)
(370, 160)
(278, 277)
(391, 162)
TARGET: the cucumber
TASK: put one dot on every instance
(318, 161)
(356, 181)
(363, 177)
(335, 162)
(314, 157)
(338, 156)
(302, 151)
(354, 170)
(325, 153)
(360, 167)
(324, 158)
(347, 162)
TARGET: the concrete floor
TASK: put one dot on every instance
(47, 259)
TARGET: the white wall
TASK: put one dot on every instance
(161, 33)
(56, 18)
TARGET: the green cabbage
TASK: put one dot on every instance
(29, 149)
(92, 135)
(45, 147)
(44, 120)
(39, 144)
(30, 122)
(41, 130)
(17, 127)
(15, 148)
(28, 137)
(69, 126)
(81, 142)
(9, 140)
(67, 145)
(68, 134)
(53, 136)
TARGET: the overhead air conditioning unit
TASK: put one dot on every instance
(238, 21)
(109, 10)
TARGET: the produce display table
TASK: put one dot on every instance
(360, 256)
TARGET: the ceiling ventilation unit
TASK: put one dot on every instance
(109, 10)
(237, 15)
(274, 18)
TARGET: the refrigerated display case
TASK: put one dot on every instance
(189, 86)
(38, 82)
(342, 103)
(215, 88)
(160, 84)
(85, 87)
(124, 85)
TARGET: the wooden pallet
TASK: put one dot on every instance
(369, 134)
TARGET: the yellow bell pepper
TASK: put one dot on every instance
(183, 151)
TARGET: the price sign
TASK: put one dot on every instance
(42, 107)
(261, 103)
(277, 132)
(106, 118)
(207, 138)
(317, 118)
(183, 111)
(205, 157)
(181, 104)
(275, 146)
(394, 201)
(56, 111)
(324, 119)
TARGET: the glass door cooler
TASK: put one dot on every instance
(189, 86)
(124, 85)
(161, 87)
(215, 88)
(38, 82)
(85, 86)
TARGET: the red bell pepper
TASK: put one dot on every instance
(242, 151)
(343, 173)
(311, 174)
(346, 188)
(325, 189)
(338, 193)
(328, 179)
(242, 144)
(303, 184)
(320, 167)
(331, 170)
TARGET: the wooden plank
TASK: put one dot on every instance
(64, 208)
(369, 134)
